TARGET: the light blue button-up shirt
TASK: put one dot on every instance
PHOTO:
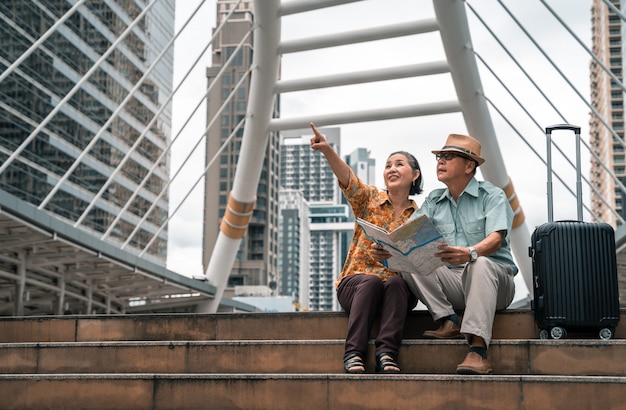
(482, 208)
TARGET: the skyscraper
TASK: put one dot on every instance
(77, 138)
(330, 233)
(307, 171)
(607, 98)
(228, 78)
(303, 169)
(363, 166)
(294, 237)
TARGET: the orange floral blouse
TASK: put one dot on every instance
(373, 205)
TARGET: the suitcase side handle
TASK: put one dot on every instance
(579, 188)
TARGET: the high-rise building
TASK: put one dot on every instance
(307, 171)
(256, 262)
(304, 169)
(76, 139)
(607, 98)
(330, 238)
(362, 165)
(293, 249)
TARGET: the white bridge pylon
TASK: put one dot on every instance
(451, 22)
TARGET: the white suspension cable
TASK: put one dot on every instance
(614, 9)
(167, 149)
(120, 107)
(564, 77)
(584, 46)
(145, 130)
(41, 40)
(165, 188)
(195, 184)
(547, 99)
(541, 129)
(74, 89)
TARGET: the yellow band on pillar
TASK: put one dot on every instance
(518, 213)
(236, 218)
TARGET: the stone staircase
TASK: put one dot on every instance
(292, 361)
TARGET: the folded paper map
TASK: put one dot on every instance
(412, 246)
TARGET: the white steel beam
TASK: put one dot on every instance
(265, 67)
(377, 114)
(360, 77)
(358, 36)
(457, 43)
(293, 7)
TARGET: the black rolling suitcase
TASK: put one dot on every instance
(574, 268)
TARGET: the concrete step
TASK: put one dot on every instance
(309, 391)
(292, 361)
(508, 357)
(509, 324)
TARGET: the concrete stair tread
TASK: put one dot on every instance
(262, 342)
(509, 324)
(306, 391)
(293, 361)
(563, 357)
(312, 376)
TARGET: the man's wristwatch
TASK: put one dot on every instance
(473, 254)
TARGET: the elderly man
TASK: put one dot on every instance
(475, 218)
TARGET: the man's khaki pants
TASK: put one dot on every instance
(478, 288)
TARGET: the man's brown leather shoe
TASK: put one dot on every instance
(447, 330)
(474, 364)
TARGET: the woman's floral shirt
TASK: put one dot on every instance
(373, 205)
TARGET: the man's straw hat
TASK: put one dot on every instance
(464, 144)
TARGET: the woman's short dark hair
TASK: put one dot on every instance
(418, 184)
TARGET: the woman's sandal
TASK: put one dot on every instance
(385, 363)
(353, 363)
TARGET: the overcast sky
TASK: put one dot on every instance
(417, 135)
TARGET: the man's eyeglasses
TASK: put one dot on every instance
(448, 156)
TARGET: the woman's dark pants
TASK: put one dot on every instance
(366, 298)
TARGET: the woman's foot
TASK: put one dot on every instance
(385, 363)
(353, 363)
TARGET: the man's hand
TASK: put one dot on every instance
(453, 255)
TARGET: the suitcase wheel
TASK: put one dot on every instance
(606, 333)
(558, 332)
(555, 333)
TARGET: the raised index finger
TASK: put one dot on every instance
(315, 130)
(317, 135)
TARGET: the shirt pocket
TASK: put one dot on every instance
(475, 231)
(447, 230)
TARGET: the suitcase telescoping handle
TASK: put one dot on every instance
(579, 189)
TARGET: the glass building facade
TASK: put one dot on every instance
(85, 114)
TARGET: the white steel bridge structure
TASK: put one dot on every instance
(113, 279)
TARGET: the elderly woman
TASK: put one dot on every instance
(366, 289)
